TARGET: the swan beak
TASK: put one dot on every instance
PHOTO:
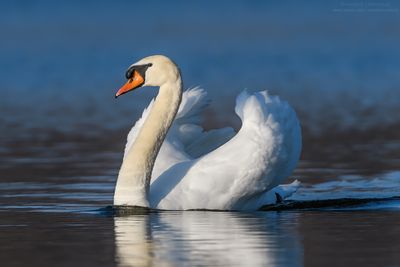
(136, 81)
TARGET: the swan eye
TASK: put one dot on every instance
(139, 68)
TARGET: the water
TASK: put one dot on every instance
(313, 238)
(54, 191)
(62, 132)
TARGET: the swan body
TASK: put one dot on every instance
(170, 162)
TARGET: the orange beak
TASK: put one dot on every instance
(134, 82)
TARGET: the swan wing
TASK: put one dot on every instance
(186, 139)
(194, 101)
(187, 129)
(184, 127)
(259, 157)
(209, 141)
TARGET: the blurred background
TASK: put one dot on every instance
(61, 62)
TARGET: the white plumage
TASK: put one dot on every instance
(218, 169)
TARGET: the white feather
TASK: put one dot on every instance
(193, 171)
(197, 169)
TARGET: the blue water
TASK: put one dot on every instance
(71, 56)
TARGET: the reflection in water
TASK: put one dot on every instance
(208, 238)
(134, 247)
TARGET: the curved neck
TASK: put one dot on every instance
(134, 176)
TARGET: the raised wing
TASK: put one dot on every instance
(256, 159)
(186, 139)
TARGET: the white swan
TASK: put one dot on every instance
(189, 168)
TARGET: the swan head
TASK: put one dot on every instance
(154, 70)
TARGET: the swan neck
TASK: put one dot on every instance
(135, 174)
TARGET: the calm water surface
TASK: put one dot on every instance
(52, 214)
(201, 238)
(312, 238)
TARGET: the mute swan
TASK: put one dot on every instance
(171, 163)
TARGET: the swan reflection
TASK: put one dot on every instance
(132, 240)
(207, 238)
